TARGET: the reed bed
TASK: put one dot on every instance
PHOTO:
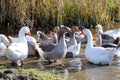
(46, 14)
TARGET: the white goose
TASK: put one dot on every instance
(4, 42)
(32, 45)
(73, 49)
(106, 38)
(28, 38)
(109, 45)
(97, 55)
(114, 33)
(18, 51)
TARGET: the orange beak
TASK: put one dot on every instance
(97, 28)
(82, 33)
(7, 46)
(58, 29)
(68, 29)
(49, 35)
(77, 30)
(28, 33)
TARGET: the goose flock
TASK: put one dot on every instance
(58, 45)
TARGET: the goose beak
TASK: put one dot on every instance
(82, 33)
(77, 30)
(49, 35)
(7, 46)
(58, 29)
(28, 33)
(68, 29)
(97, 28)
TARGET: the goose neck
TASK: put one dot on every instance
(89, 41)
(61, 39)
(21, 34)
(100, 32)
(72, 39)
(21, 37)
(99, 39)
(55, 38)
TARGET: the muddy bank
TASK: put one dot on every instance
(87, 71)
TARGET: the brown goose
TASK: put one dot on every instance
(60, 49)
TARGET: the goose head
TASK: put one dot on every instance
(49, 34)
(99, 29)
(39, 34)
(72, 35)
(75, 29)
(4, 39)
(56, 29)
(86, 31)
(2, 46)
(64, 29)
(24, 30)
(42, 35)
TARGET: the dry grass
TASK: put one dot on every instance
(49, 13)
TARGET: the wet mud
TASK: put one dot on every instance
(83, 71)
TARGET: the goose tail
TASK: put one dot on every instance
(117, 52)
(40, 51)
(8, 52)
(114, 51)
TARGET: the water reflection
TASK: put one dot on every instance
(102, 73)
(61, 71)
(74, 64)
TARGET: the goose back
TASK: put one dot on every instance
(60, 49)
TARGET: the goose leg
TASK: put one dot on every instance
(102, 64)
(69, 55)
(19, 63)
(60, 62)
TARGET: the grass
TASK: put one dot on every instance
(33, 73)
(42, 74)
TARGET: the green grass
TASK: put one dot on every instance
(33, 73)
(42, 74)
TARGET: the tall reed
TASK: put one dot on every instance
(46, 14)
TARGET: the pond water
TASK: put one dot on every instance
(88, 71)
